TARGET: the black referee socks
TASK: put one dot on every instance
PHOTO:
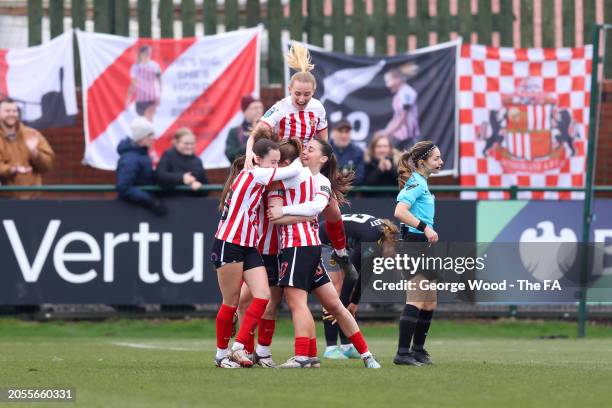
(407, 324)
(422, 327)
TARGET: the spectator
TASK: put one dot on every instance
(379, 167)
(237, 137)
(348, 154)
(135, 168)
(25, 154)
(179, 165)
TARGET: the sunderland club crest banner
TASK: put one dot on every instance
(408, 97)
(192, 82)
(41, 80)
(523, 119)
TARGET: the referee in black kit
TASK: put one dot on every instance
(415, 209)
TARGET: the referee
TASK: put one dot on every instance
(415, 210)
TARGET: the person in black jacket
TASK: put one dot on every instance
(135, 168)
(179, 165)
(379, 167)
(237, 137)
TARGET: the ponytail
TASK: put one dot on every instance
(298, 59)
(409, 161)
(236, 168)
(341, 183)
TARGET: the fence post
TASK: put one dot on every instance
(401, 25)
(548, 24)
(484, 22)
(253, 15)
(423, 23)
(296, 20)
(56, 17)
(443, 22)
(526, 23)
(464, 14)
(513, 192)
(104, 16)
(315, 22)
(166, 18)
(122, 17)
(569, 19)
(608, 40)
(210, 17)
(505, 20)
(588, 187)
(588, 19)
(338, 26)
(360, 27)
(275, 52)
(35, 14)
(144, 19)
(188, 15)
(380, 27)
(231, 15)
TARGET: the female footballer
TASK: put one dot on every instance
(301, 270)
(415, 209)
(234, 253)
(360, 228)
(302, 116)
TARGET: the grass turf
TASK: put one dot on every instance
(135, 363)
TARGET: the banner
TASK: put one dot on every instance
(41, 80)
(191, 82)
(55, 251)
(523, 119)
(409, 97)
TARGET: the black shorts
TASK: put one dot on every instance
(225, 252)
(301, 268)
(272, 264)
(419, 250)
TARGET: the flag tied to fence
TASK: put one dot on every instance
(193, 82)
(41, 80)
(523, 119)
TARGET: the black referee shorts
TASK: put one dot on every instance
(420, 247)
(272, 264)
(301, 268)
(225, 252)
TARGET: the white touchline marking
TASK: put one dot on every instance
(152, 347)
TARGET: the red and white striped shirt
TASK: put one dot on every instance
(147, 76)
(239, 223)
(268, 232)
(302, 189)
(288, 121)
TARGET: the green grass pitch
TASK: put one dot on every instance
(134, 363)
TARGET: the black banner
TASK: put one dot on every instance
(409, 97)
(107, 251)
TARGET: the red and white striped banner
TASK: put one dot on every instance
(192, 82)
(523, 119)
(41, 80)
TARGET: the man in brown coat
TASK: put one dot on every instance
(24, 153)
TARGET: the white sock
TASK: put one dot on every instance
(341, 252)
(237, 346)
(366, 354)
(346, 347)
(263, 351)
(221, 353)
(302, 358)
(329, 348)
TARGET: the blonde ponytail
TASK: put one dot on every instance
(298, 59)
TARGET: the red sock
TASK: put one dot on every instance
(250, 344)
(265, 332)
(335, 232)
(224, 320)
(359, 342)
(302, 346)
(251, 319)
(312, 349)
